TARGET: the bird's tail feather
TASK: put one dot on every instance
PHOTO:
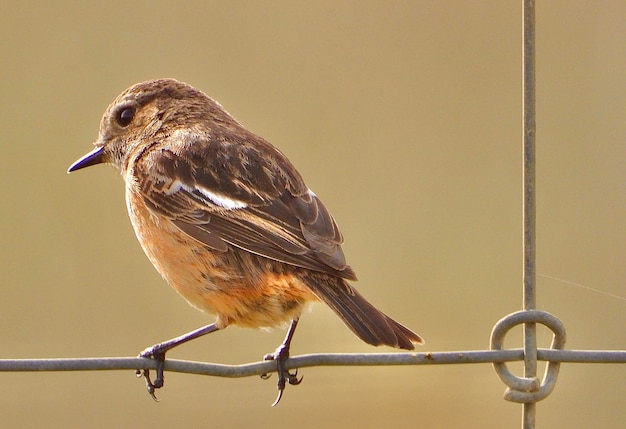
(366, 321)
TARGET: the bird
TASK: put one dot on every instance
(228, 222)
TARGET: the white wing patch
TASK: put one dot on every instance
(221, 200)
(215, 198)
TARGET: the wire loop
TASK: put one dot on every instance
(523, 389)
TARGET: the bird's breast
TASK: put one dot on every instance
(237, 286)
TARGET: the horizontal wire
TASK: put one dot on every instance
(310, 360)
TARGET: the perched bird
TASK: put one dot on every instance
(227, 221)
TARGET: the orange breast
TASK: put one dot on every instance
(238, 287)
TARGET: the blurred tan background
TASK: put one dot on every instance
(405, 118)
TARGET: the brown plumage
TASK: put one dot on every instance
(226, 218)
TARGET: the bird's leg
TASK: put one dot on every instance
(157, 352)
(280, 356)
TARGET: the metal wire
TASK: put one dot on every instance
(526, 389)
(529, 127)
(311, 360)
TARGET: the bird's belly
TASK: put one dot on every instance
(238, 287)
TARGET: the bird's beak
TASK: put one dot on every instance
(94, 157)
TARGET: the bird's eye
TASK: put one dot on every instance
(125, 116)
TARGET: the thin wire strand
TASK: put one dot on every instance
(582, 286)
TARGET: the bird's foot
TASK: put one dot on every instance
(284, 375)
(158, 355)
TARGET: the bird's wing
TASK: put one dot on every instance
(249, 196)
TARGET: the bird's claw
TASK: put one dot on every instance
(159, 381)
(284, 375)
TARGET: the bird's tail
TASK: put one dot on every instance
(366, 321)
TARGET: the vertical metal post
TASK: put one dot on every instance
(530, 338)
